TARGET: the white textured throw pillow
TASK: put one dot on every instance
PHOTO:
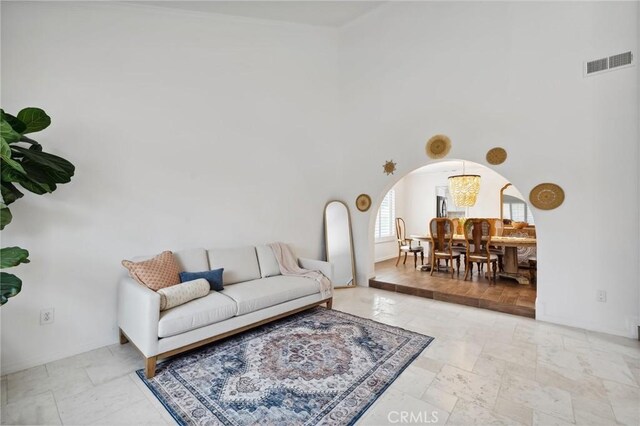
(180, 294)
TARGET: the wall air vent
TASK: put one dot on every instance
(620, 60)
(607, 64)
(597, 65)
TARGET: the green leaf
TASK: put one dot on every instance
(16, 124)
(11, 167)
(45, 168)
(5, 149)
(10, 193)
(13, 256)
(35, 144)
(10, 162)
(5, 216)
(43, 176)
(6, 154)
(7, 134)
(39, 188)
(48, 160)
(10, 175)
(35, 119)
(10, 285)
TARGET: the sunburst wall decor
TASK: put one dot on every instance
(389, 167)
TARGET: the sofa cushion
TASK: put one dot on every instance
(259, 294)
(182, 293)
(240, 264)
(192, 260)
(214, 278)
(156, 273)
(268, 264)
(197, 313)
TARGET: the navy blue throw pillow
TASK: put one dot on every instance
(214, 277)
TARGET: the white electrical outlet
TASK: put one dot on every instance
(602, 296)
(46, 316)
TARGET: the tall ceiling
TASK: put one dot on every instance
(322, 13)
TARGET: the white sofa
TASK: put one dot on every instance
(254, 293)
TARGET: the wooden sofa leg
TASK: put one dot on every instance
(329, 303)
(123, 338)
(150, 367)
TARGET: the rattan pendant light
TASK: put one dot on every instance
(464, 188)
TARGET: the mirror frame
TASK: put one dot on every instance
(326, 246)
(502, 199)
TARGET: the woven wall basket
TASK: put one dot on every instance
(438, 146)
(363, 202)
(496, 156)
(546, 196)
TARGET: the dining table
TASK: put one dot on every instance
(510, 244)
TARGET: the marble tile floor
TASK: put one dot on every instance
(483, 368)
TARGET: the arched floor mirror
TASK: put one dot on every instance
(339, 243)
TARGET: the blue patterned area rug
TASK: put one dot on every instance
(317, 367)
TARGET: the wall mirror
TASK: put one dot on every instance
(339, 243)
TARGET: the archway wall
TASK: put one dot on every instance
(477, 72)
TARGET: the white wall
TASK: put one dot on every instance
(187, 130)
(510, 74)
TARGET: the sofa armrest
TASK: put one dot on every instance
(138, 315)
(317, 265)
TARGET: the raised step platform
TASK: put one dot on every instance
(505, 296)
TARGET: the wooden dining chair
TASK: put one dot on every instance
(458, 229)
(406, 245)
(477, 234)
(456, 224)
(441, 230)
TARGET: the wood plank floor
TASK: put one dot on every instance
(505, 296)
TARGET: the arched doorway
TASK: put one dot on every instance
(423, 194)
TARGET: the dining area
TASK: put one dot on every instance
(474, 242)
(483, 256)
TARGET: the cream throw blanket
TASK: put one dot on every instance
(289, 266)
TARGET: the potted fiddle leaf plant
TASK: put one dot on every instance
(24, 165)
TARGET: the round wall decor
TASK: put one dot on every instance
(496, 156)
(363, 202)
(438, 146)
(546, 196)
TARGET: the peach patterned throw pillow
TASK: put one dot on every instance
(156, 273)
